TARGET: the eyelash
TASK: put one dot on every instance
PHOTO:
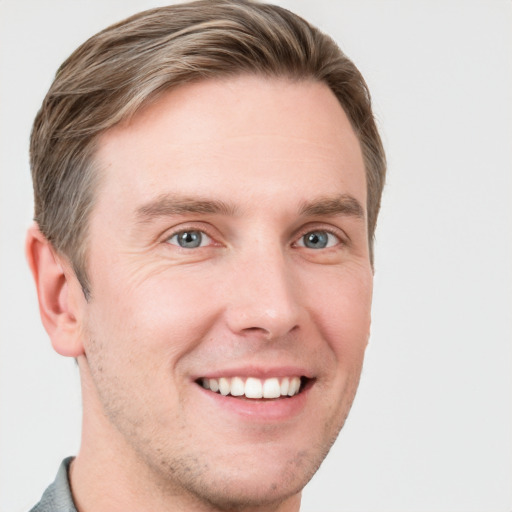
(299, 241)
(202, 231)
(339, 239)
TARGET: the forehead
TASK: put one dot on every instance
(243, 137)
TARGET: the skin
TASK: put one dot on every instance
(252, 152)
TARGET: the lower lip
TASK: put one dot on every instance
(279, 409)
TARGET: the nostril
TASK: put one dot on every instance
(267, 333)
(257, 332)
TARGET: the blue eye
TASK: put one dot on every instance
(318, 240)
(190, 239)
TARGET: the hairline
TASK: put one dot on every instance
(313, 56)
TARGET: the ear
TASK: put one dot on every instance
(56, 287)
(368, 334)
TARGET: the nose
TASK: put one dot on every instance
(263, 296)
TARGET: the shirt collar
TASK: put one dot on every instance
(58, 497)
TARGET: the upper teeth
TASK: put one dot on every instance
(253, 387)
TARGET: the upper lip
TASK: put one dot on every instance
(258, 372)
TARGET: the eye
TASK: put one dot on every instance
(190, 239)
(319, 239)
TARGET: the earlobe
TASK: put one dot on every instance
(368, 333)
(59, 313)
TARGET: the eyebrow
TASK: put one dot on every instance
(170, 204)
(344, 204)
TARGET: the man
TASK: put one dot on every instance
(207, 181)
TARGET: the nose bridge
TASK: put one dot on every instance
(263, 294)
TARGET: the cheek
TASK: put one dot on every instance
(158, 314)
(343, 312)
(136, 335)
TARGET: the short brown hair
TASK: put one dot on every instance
(109, 77)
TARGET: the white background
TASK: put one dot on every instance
(431, 427)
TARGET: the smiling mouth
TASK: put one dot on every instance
(255, 388)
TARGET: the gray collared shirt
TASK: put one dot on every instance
(57, 498)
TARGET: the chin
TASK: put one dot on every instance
(248, 479)
(251, 491)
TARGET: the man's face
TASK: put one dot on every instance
(228, 247)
